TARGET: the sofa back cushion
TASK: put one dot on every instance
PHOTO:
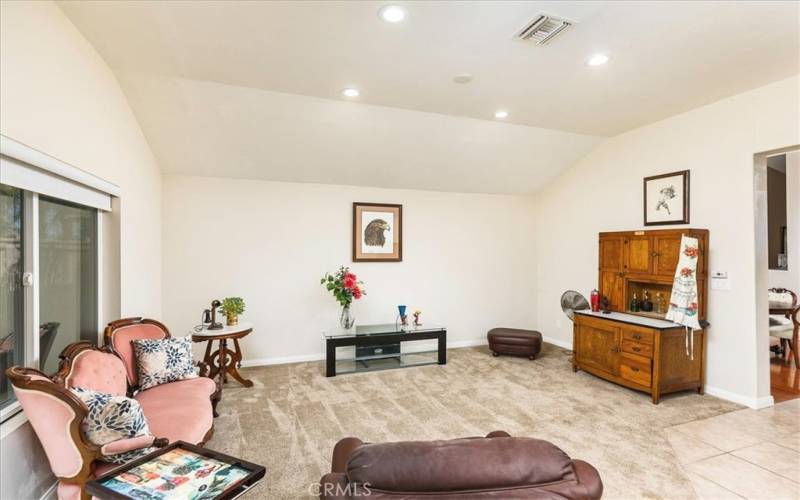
(458, 464)
(121, 341)
(98, 371)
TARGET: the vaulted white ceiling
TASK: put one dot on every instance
(252, 89)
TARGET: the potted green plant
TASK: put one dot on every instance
(232, 307)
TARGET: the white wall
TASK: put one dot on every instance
(58, 96)
(790, 278)
(603, 192)
(468, 259)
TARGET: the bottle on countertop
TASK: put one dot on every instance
(634, 304)
(647, 304)
(660, 303)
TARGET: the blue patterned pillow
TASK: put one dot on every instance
(112, 418)
(165, 360)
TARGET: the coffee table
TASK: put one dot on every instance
(178, 471)
(376, 336)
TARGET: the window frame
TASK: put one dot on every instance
(57, 180)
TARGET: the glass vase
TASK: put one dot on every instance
(346, 319)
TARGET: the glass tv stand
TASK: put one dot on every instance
(382, 353)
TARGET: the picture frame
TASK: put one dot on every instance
(377, 232)
(666, 199)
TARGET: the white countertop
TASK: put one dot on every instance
(632, 319)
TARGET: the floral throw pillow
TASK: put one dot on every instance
(112, 418)
(163, 361)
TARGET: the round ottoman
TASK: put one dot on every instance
(514, 341)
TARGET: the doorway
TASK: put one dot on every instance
(778, 261)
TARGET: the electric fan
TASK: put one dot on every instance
(572, 301)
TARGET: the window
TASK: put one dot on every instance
(49, 260)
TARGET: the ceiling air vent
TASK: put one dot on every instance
(542, 29)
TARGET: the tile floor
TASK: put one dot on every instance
(743, 454)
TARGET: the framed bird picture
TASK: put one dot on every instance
(666, 199)
(377, 232)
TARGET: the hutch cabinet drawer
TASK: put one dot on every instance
(636, 369)
(634, 334)
(637, 348)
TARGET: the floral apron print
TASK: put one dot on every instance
(683, 307)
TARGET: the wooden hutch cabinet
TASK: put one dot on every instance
(641, 350)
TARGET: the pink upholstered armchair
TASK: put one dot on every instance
(181, 410)
(56, 414)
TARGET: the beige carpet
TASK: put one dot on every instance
(294, 415)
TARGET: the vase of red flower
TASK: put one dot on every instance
(346, 318)
(345, 288)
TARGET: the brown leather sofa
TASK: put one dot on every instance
(495, 467)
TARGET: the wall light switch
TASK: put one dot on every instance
(720, 280)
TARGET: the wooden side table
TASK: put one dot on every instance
(224, 361)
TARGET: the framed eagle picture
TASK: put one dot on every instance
(377, 232)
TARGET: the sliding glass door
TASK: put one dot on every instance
(48, 281)
(67, 278)
(12, 307)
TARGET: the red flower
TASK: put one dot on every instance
(349, 282)
(691, 252)
(356, 293)
(686, 271)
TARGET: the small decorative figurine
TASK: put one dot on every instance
(417, 314)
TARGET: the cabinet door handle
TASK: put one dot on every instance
(634, 369)
(637, 349)
(636, 336)
(655, 254)
(615, 349)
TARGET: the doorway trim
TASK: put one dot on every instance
(763, 389)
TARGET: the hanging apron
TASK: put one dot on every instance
(683, 307)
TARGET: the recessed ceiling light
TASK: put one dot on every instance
(462, 78)
(501, 114)
(392, 13)
(598, 60)
(351, 92)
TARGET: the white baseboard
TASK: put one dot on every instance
(301, 358)
(560, 343)
(283, 360)
(467, 343)
(755, 403)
